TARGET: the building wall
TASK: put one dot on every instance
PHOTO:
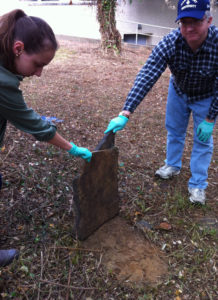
(80, 20)
(70, 20)
(152, 12)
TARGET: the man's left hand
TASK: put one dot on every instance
(204, 130)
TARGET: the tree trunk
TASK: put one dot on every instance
(110, 36)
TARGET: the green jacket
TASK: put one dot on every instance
(14, 109)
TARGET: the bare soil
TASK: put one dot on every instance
(86, 88)
(127, 254)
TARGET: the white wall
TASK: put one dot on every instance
(72, 20)
(80, 20)
(154, 12)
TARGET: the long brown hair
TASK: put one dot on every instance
(34, 32)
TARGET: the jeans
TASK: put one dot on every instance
(178, 112)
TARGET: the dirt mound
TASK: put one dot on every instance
(127, 254)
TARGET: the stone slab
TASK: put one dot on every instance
(107, 142)
(96, 193)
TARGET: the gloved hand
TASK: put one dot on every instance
(81, 152)
(116, 124)
(205, 130)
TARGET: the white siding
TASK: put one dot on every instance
(153, 12)
(80, 20)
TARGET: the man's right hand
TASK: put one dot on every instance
(116, 124)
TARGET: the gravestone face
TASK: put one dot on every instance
(96, 190)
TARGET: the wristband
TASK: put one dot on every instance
(124, 114)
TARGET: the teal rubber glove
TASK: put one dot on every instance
(116, 124)
(81, 152)
(205, 130)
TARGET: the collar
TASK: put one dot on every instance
(19, 77)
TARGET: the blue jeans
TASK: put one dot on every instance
(178, 111)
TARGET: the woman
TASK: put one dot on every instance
(27, 44)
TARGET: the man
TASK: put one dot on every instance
(191, 53)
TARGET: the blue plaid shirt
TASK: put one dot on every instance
(194, 74)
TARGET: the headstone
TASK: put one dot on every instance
(107, 142)
(96, 190)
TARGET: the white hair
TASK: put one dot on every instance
(208, 14)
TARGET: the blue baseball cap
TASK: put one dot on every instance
(192, 9)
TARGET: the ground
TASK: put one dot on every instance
(86, 88)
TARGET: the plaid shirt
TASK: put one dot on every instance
(194, 74)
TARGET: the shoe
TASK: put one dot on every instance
(166, 172)
(197, 195)
(7, 256)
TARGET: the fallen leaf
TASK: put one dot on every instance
(164, 226)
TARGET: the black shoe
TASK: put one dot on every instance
(7, 256)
